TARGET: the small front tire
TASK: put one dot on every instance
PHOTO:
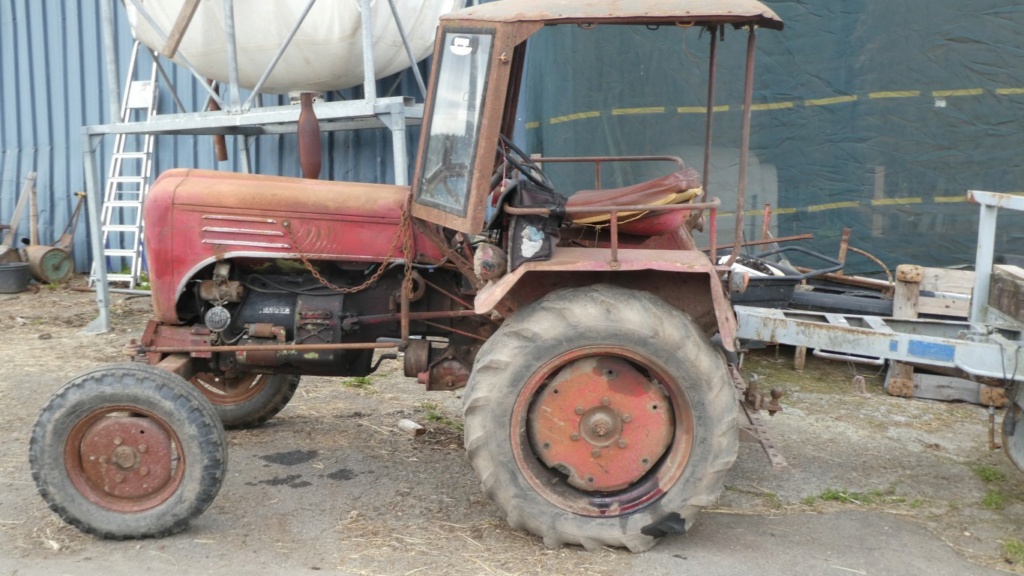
(128, 451)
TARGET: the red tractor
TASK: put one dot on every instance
(598, 410)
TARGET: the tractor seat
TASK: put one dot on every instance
(675, 188)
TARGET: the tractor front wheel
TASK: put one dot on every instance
(128, 452)
(600, 416)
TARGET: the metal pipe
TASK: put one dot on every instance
(110, 58)
(983, 262)
(741, 185)
(408, 50)
(277, 57)
(614, 238)
(229, 29)
(414, 316)
(456, 331)
(268, 348)
(181, 56)
(709, 120)
(369, 82)
(170, 85)
(714, 203)
(94, 206)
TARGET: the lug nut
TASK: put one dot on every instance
(595, 453)
(143, 447)
(574, 437)
(627, 418)
(605, 401)
(143, 471)
(118, 440)
(580, 410)
(622, 443)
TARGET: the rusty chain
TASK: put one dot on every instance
(403, 231)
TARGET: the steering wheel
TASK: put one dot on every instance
(521, 161)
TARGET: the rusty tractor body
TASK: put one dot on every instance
(597, 412)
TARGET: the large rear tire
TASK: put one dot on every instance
(128, 452)
(600, 416)
(248, 400)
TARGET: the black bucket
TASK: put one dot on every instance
(13, 277)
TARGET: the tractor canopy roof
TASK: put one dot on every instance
(592, 12)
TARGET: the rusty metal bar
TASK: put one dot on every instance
(766, 222)
(715, 203)
(446, 293)
(769, 241)
(270, 348)
(741, 185)
(597, 175)
(844, 245)
(713, 232)
(405, 309)
(580, 159)
(615, 239)
(709, 120)
(414, 316)
(456, 330)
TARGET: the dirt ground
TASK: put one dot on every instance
(332, 485)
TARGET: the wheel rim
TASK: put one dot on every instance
(124, 459)
(602, 431)
(229, 391)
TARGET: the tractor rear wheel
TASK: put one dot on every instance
(128, 452)
(600, 416)
(248, 400)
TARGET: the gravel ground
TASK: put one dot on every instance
(332, 485)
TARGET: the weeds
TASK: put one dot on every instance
(357, 383)
(435, 415)
(1013, 551)
(989, 473)
(871, 498)
(994, 500)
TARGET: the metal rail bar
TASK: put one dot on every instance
(277, 57)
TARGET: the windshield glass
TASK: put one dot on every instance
(447, 167)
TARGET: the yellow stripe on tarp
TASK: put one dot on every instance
(832, 206)
(578, 116)
(949, 199)
(530, 125)
(895, 201)
(1009, 91)
(895, 94)
(948, 93)
(829, 101)
(701, 109)
(784, 211)
(648, 110)
(772, 106)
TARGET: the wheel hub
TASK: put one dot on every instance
(602, 423)
(126, 457)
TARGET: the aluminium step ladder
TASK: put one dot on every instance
(128, 180)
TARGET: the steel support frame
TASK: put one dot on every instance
(240, 120)
(989, 345)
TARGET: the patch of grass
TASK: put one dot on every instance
(809, 501)
(871, 498)
(1013, 551)
(989, 473)
(994, 500)
(357, 383)
(916, 503)
(435, 415)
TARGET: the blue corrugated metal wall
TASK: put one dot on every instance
(52, 84)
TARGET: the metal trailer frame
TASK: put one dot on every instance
(238, 118)
(989, 346)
